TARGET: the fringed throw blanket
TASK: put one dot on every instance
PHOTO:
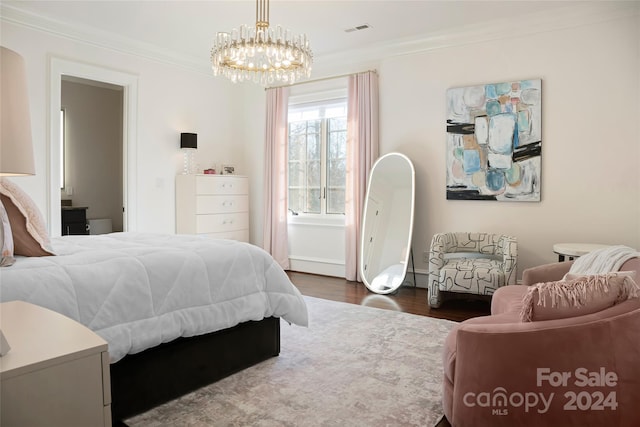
(577, 296)
(603, 260)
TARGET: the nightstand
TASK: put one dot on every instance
(74, 220)
(56, 373)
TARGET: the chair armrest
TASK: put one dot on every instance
(545, 273)
(436, 253)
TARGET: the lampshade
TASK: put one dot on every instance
(16, 149)
(188, 140)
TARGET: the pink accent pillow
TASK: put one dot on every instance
(30, 237)
(6, 239)
(577, 296)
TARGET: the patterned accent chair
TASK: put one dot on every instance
(470, 263)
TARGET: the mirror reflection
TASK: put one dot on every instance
(387, 224)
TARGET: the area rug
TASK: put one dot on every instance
(353, 366)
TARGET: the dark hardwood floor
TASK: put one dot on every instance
(406, 299)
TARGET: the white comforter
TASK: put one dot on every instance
(139, 290)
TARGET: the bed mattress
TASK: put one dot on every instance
(138, 290)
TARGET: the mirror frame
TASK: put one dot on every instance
(405, 261)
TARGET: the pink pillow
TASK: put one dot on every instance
(6, 239)
(30, 237)
(578, 296)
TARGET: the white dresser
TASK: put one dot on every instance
(213, 205)
(56, 373)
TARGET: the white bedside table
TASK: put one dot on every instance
(573, 250)
(56, 373)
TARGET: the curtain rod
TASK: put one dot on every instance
(321, 79)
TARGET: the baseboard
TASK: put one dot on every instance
(324, 267)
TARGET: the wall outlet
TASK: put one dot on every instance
(425, 257)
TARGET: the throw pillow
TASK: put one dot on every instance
(30, 237)
(6, 239)
(577, 297)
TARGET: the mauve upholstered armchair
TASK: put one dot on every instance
(470, 263)
(576, 371)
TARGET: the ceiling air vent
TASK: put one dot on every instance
(357, 28)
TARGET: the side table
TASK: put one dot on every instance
(56, 373)
(574, 250)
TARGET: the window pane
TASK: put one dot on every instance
(337, 145)
(297, 147)
(336, 165)
(313, 126)
(336, 173)
(338, 123)
(296, 174)
(313, 200)
(336, 178)
(297, 128)
(313, 173)
(296, 199)
(313, 147)
(335, 200)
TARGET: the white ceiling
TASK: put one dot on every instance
(186, 28)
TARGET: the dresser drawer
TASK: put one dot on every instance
(222, 185)
(239, 235)
(217, 223)
(222, 204)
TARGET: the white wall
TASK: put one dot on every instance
(590, 155)
(591, 146)
(170, 100)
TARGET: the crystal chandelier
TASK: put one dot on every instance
(261, 54)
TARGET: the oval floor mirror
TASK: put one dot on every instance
(387, 225)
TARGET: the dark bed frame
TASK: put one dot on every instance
(144, 380)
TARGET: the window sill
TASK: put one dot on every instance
(316, 220)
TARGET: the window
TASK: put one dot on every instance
(317, 157)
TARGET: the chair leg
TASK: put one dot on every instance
(433, 294)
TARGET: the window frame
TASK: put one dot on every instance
(333, 97)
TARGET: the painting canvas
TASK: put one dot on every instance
(494, 141)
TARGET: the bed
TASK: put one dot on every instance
(177, 311)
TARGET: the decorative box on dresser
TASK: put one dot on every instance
(213, 205)
(56, 373)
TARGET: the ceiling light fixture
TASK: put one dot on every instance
(262, 54)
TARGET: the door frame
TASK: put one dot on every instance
(60, 67)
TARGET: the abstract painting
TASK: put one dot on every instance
(494, 141)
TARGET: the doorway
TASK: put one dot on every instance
(92, 175)
(64, 71)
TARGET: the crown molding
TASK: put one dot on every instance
(547, 21)
(102, 39)
(568, 17)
